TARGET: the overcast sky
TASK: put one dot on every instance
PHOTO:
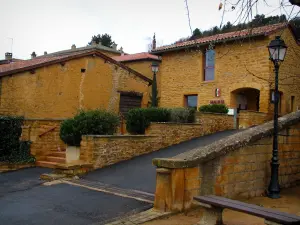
(53, 25)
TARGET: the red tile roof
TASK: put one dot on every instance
(258, 31)
(136, 57)
(28, 65)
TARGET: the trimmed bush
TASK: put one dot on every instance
(94, 122)
(11, 149)
(180, 115)
(157, 114)
(136, 121)
(214, 108)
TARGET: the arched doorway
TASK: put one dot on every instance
(245, 99)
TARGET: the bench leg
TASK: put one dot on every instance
(212, 216)
(271, 223)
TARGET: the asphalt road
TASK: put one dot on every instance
(24, 201)
(63, 204)
(139, 173)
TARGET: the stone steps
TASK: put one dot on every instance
(47, 164)
(61, 154)
(56, 159)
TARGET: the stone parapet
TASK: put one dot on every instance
(237, 166)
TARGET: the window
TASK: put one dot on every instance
(209, 70)
(191, 100)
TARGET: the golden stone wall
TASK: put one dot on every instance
(59, 91)
(44, 135)
(238, 64)
(103, 150)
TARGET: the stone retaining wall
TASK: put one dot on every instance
(44, 135)
(217, 121)
(238, 166)
(249, 118)
(103, 150)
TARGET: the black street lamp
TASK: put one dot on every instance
(277, 50)
(154, 68)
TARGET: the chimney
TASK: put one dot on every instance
(94, 43)
(45, 53)
(100, 43)
(73, 46)
(33, 55)
(121, 50)
(8, 56)
(114, 46)
(154, 42)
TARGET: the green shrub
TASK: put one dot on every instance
(215, 108)
(180, 115)
(157, 114)
(11, 149)
(136, 121)
(94, 122)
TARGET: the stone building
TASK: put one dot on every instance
(57, 85)
(231, 68)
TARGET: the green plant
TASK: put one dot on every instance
(181, 115)
(136, 121)
(11, 149)
(157, 114)
(214, 108)
(93, 122)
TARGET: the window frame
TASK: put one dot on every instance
(205, 67)
(186, 100)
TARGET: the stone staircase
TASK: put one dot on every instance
(54, 160)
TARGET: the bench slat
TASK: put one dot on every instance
(270, 215)
(268, 210)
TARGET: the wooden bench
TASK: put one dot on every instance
(214, 206)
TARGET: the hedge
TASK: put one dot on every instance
(214, 108)
(11, 148)
(138, 119)
(93, 122)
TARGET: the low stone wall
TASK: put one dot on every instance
(5, 167)
(44, 135)
(249, 118)
(238, 166)
(103, 150)
(216, 121)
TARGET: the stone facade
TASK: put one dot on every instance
(238, 166)
(240, 66)
(144, 67)
(44, 135)
(60, 90)
(103, 150)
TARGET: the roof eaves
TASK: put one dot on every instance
(67, 58)
(205, 43)
(143, 59)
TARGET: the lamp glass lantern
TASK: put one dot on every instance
(154, 67)
(277, 49)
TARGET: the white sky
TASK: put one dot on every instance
(53, 25)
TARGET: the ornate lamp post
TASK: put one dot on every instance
(277, 50)
(154, 68)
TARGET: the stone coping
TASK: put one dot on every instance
(44, 119)
(252, 111)
(173, 123)
(222, 147)
(211, 113)
(119, 136)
